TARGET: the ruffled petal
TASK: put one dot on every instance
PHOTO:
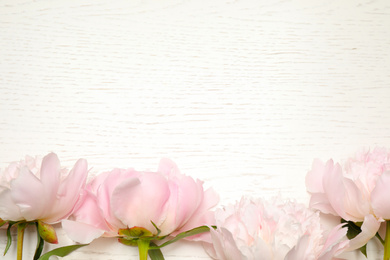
(321, 202)
(69, 192)
(380, 199)
(369, 228)
(185, 197)
(8, 209)
(336, 242)
(104, 185)
(81, 232)
(29, 195)
(50, 176)
(145, 201)
(203, 216)
(315, 176)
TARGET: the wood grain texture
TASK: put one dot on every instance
(241, 94)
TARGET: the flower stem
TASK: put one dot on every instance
(143, 248)
(386, 255)
(21, 228)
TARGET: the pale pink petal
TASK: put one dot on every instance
(300, 250)
(369, 228)
(168, 168)
(81, 232)
(321, 202)
(185, 197)
(334, 188)
(50, 175)
(68, 193)
(355, 204)
(336, 242)
(203, 216)
(8, 209)
(380, 199)
(344, 196)
(104, 186)
(90, 213)
(225, 245)
(145, 201)
(315, 176)
(29, 198)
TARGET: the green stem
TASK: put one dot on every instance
(386, 255)
(21, 228)
(143, 248)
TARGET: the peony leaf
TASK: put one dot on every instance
(155, 254)
(9, 237)
(184, 234)
(61, 251)
(354, 230)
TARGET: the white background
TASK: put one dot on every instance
(241, 94)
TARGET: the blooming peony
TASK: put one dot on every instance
(39, 189)
(357, 192)
(256, 229)
(123, 199)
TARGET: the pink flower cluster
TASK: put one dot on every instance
(139, 206)
(127, 198)
(39, 189)
(356, 191)
(274, 230)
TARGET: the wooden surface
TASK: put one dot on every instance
(241, 94)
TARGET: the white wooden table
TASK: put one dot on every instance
(241, 94)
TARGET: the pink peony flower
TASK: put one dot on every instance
(358, 192)
(256, 229)
(123, 199)
(39, 189)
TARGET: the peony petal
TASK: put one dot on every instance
(68, 193)
(334, 188)
(81, 232)
(321, 202)
(29, 195)
(138, 202)
(336, 242)
(315, 176)
(356, 204)
(50, 175)
(369, 228)
(343, 194)
(225, 245)
(299, 250)
(203, 216)
(185, 197)
(8, 209)
(168, 168)
(90, 213)
(104, 185)
(380, 199)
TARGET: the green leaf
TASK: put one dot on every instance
(61, 251)
(155, 254)
(40, 243)
(2, 222)
(184, 234)
(354, 230)
(9, 237)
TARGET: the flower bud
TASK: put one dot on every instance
(47, 232)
